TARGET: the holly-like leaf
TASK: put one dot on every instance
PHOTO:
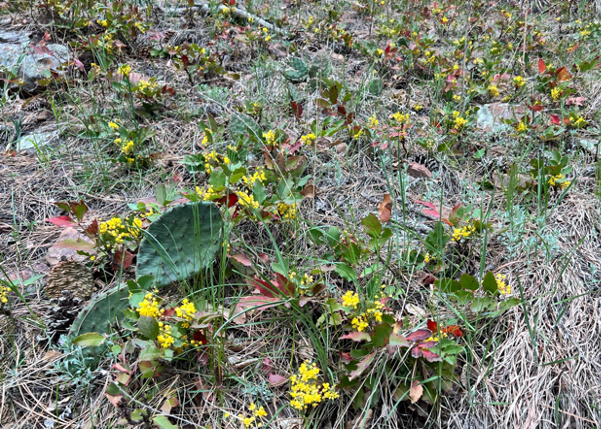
(372, 225)
(62, 221)
(419, 335)
(398, 341)
(362, 366)
(430, 356)
(79, 209)
(356, 336)
(242, 258)
(381, 335)
(163, 422)
(127, 258)
(149, 327)
(469, 282)
(489, 284)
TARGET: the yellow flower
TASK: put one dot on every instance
(150, 307)
(372, 121)
(459, 123)
(555, 93)
(521, 127)
(493, 90)
(125, 69)
(519, 81)
(308, 139)
(464, 232)
(269, 137)
(350, 299)
(113, 125)
(504, 288)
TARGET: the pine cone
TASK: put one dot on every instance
(70, 276)
(62, 314)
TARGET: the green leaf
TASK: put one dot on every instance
(469, 282)
(346, 272)
(163, 422)
(381, 334)
(160, 194)
(89, 339)
(372, 225)
(448, 285)
(437, 238)
(149, 327)
(259, 192)
(482, 304)
(511, 302)
(150, 352)
(489, 284)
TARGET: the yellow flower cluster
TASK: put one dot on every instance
(459, 123)
(128, 147)
(208, 194)
(404, 119)
(256, 414)
(580, 122)
(306, 279)
(165, 338)
(556, 93)
(146, 85)
(308, 139)
(306, 391)
(125, 69)
(120, 231)
(269, 137)
(464, 232)
(555, 181)
(113, 125)
(372, 122)
(493, 91)
(504, 288)
(247, 200)
(519, 81)
(287, 211)
(258, 176)
(150, 306)
(350, 299)
(521, 128)
(437, 337)
(187, 310)
(3, 291)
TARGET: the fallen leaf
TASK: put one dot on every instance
(419, 335)
(362, 366)
(276, 379)
(309, 191)
(242, 258)
(356, 336)
(416, 391)
(385, 208)
(62, 221)
(418, 171)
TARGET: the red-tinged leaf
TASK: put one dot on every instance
(541, 66)
(266, 288)
(385, 208)
(430, 356)
(304, 300)
(242, 258)
(267, 367)
(575, 101)
(563, 75)
(416, 352)
(432, 325)
(231, 199)
(92, 229)
(122, 368)
(263, 257)
(276, 379)
(62, 221)
(356, 336)
(427, 344)
(535, 107)
(416, 392)
(77, 244)
(127, 259)
(419, 335)
(428, 279)
(259, 302)
(346, 357)
(114, 399)
(454, 330)
(284, 285)
(297, 109)
(79, 64)
(398, 341)
(199, 337)
(573, 48)
(362, 366)
(169, 404)
(555, 119)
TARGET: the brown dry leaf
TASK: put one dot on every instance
(309, 191)
(419, 171)
(385, 208)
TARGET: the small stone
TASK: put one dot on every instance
(490, 117)
(32, 143)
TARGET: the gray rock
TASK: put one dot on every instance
(490, 117)
(17, 58)
(37, 66)
(32, 143)
(590, 146)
